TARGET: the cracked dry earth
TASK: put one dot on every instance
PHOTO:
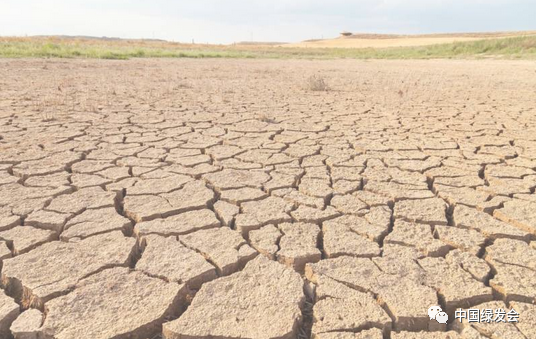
(224, 199)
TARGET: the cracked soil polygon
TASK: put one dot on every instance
(269, 309)
(111, 302)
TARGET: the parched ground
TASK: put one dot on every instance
(228, 199)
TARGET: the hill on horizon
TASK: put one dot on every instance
(374, 40)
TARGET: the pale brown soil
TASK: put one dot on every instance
(226, 199)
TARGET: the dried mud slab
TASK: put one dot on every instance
(223, 247)
(318, 188)
(51, 164)
(226, 212)
(295, 197)
(477, 267)
(520, 214)
(373, 224)
(265, 240)
(464, 239)
(353, 236)
(22, 239)
(456, 286)
(179, 224)
(17, 200)
(490, 227)
(5, 252)
(403, 293)
(271, 308)
(168, 259)
(28, 324)
(397, 192)
(8, 219)
(425, 211)
(47, 220)
(108, 304)
(192, 196)
(77, 202)
(348, 204)
(95, 221)
(298, 245)
(306, 214)
(54, 268)
(461, 195)
(404, 298)
(418, 236)
(255, 214)
(9, 311)
(460, 181)
(359, 273)
(527, 326)
(512, 252)
(234, 179)
(398, 285)
(514, 263)
(350, 315)
(167, 184)
(240, 195)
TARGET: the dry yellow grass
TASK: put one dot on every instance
(515, 45)
(391, 40)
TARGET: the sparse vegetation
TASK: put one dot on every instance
(523, 47)
(317, 83)
(265, 118)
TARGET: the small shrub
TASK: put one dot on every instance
(317, 83)
(267, 119)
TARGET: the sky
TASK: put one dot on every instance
(228, 21)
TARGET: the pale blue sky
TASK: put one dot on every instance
(226, 21)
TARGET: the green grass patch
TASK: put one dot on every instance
(506, 48)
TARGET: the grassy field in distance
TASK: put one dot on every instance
(522, 47)
(368, 40)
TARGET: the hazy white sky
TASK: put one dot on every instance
(226, 21)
